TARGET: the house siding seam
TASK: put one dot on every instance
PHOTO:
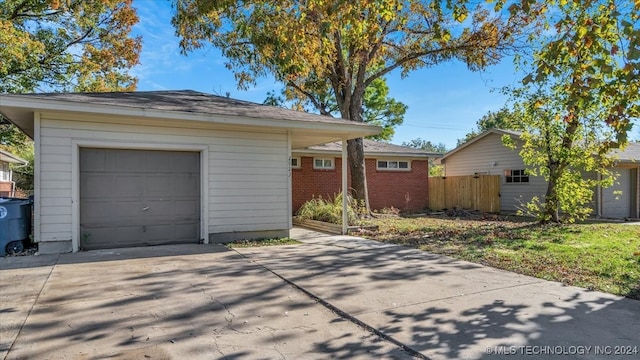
(405, 190)
(245, 171)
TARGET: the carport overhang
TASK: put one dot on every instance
(303, 130)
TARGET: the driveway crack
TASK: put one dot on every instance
(344, 315)
(44, 283)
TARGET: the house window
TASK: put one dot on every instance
(516, 176)
(322, 163)
(295, 162)
(5, 172)
(393, 165)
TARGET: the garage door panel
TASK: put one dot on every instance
(190, 184)
(184, 208)
(94, 211)
(157, 184)
(94, 185)
(93, 160)
(138, 197)
(184, 163)
(187, 231)
(132, 161)
(127, 209)
(127, 186)
(158, 233)
(160, 209)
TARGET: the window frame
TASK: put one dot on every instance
(298, 162)
(5, 172)
(516, 176)
(323, 167)
(398, 168)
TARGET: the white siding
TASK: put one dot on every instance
(247, 172)
(489, 156)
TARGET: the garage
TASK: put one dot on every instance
(129, 169)
(138, 197)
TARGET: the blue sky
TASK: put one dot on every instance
(444, 101)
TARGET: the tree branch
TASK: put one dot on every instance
(314, 101)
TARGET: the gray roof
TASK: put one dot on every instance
(186, 101)
(631, 153)
(372, 147)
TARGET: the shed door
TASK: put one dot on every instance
(616, 200)
(138, 197)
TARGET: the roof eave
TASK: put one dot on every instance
(347, 130)
(10, 158)
(305, 151)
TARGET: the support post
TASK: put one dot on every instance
(345, 215)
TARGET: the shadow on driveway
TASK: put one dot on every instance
(450, 309)
(195, 302)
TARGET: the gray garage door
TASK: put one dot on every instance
(616, 200)
(135, 198)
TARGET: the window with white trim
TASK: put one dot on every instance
(393, 165)
(323, 163)
(295, 163)
(5, 172)
(516, 176)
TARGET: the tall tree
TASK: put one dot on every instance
(62, 45)
(580, 100)
(419, 143)
(350, 44)
(501, 119)
(378, 107)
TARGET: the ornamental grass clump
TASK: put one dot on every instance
(329, 210)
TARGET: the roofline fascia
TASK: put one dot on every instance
(355, 130)
(366, 153)
(16, 159)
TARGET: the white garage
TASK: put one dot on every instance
(161, 167)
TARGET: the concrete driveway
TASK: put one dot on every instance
(332, 297)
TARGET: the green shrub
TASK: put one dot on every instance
(329, 210)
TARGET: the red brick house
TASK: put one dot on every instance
(397, 176)
(7, 186)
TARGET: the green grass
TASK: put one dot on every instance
(604, 257)
(262, 242)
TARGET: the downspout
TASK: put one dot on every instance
(345, 214)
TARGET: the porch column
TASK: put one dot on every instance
(345, 215)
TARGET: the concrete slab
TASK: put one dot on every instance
(446, 308)
(169, 302)
(21, 280)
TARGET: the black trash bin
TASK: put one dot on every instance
(15, 224)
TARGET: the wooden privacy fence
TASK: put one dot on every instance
(476, 192)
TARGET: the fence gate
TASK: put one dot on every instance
(476, 192)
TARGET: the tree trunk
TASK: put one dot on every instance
(355, 150)
(551, 211)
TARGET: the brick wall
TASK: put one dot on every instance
(5, 188)
(405, 190)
